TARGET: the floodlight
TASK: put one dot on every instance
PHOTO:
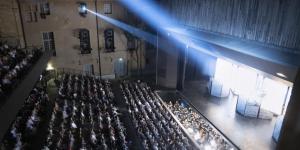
(82, 9)
(281, 75)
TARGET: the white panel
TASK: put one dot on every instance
(275, 95)
(241, 105)
(251, 110)
(216, 88)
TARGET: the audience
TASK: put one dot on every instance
(13, 64)
(154, 124)
(27, 120)
(84, 116)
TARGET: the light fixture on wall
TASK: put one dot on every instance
(281, 75)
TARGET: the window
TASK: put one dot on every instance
(85, 44)
(31, 13)
(48, 41)
(45, 9)
(107, 8)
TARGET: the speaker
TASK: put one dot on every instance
(109, 40)
(85, 45)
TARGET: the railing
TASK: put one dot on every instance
(73, 71)
(31, 50)
(76, 71)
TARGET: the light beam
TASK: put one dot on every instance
(158, 18)
(134, 31)
(167, 27)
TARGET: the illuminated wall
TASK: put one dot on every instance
(250, 83)
(64, 19)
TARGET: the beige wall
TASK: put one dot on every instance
(63, 20)
(10, 23)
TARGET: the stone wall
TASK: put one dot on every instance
(64, 20)
(10, 23)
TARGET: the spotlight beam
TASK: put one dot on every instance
(150, 12)
(135, 31)
(159, 19)
(163, 25)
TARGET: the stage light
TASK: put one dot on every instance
(49, 67)
(82, 9)
(281, 75)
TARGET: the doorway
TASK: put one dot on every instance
(88, 69)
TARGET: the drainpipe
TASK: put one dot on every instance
(98, 46)
(22, 23)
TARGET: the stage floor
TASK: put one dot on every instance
(246, 133)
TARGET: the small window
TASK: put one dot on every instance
(45, 10)
(48, 41)
(107, 8)
(31, 13)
